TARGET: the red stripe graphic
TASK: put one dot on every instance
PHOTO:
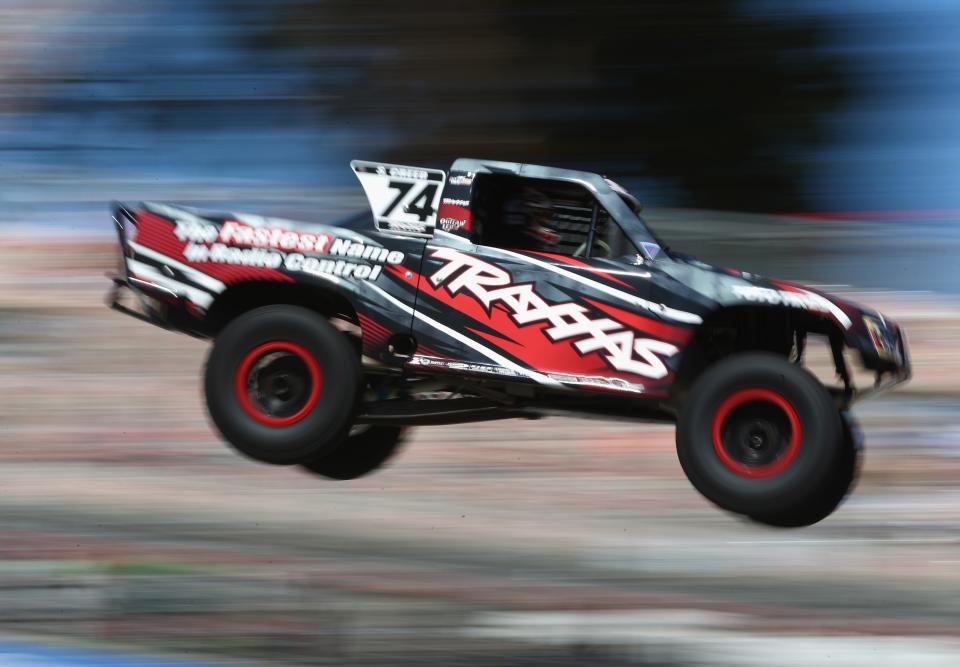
(374, 335)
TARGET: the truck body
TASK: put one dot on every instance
(510, 289)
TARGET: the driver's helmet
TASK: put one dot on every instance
(532, 212)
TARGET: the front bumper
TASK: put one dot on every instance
(890, 361)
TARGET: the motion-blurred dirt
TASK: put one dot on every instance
(125, 522)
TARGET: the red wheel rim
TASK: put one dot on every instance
(756, 395)
(242, 380)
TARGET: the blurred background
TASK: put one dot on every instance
(813, 140)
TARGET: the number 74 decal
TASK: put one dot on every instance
(403, 200)
(421, 204)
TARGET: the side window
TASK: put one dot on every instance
(534, 215)
(609, 241)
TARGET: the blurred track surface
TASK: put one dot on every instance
(124, 522)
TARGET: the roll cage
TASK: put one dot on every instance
(598, 186)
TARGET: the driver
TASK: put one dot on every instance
(529, 215)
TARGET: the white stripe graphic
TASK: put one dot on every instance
(197, 296)
(453, 240)
(658, 308)
(195, 275)
(485, 351)
(830, 306)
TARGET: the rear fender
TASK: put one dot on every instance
(215, 266)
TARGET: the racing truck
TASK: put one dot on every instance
(500, 290)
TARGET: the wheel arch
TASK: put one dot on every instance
(730, 329)
(243, 297)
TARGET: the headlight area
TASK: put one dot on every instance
(886, 354)
(881, 337)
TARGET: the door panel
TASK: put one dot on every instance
(536, 317)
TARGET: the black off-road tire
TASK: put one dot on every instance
(841, 483)
(281, 384)
(360, 454)
(761, 437)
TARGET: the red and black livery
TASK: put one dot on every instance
(503, 290)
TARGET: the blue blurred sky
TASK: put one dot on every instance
(897, 145)
(245, 121)
(75, 75)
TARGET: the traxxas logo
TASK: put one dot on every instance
(618, 345)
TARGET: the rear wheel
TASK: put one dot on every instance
(281, 384)
(365, 449)
(760, 436)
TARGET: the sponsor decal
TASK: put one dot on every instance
(357, 250)
(403, 200)
(278, 238)
(331, 267)
(618, 345)
(196, 232)
(239, 244)
(462, 179)
(618, 384)
(403, 227)
(219, 253)
(411, 173)
(454, 215)
(464, 366)
(796, 298)
(452, 224)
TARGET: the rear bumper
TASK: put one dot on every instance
(141, 298)
(126, 297)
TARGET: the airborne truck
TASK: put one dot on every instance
(503, 290)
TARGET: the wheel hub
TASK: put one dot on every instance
(756, 433)
(278, 383)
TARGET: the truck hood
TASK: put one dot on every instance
(731, 287)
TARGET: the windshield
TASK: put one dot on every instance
(637, 207)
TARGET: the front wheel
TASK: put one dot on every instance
(761, 437)
(282, 384)
(833, 491)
